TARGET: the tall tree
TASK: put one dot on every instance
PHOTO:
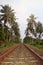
(16, 30)
(39, 29)
(31, 25)
(7, 15)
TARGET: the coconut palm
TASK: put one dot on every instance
(16, 29)
(31, 25)
(6, 13)
(32, 19)
(39, 29)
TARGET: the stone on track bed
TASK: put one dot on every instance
(21, 56)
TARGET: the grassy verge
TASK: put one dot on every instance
(6, 46)
(36, 44)
(39, 47)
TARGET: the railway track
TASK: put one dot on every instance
(22, 55)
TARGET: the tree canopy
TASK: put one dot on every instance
(7, 15)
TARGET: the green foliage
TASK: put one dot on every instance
(35, 42)
(33, 27)
(27, 40)
(2, 34)
(8, 33)
(5, 46)
(39, 46)
(39, 29)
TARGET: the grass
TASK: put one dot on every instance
(39, 47)
(6, 46)
(38, 44)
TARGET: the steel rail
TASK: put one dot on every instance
(35, 53)
(8, 52)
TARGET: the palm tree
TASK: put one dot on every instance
(26, 32)
(31, 25)
(32, 19)
(6, 13)
(39, 29)
(16, 31)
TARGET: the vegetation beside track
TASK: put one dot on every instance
(39, 47)
(8, 32)
(34, 32)
(34, 42)
(5, 46)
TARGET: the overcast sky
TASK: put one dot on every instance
(23, 9)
